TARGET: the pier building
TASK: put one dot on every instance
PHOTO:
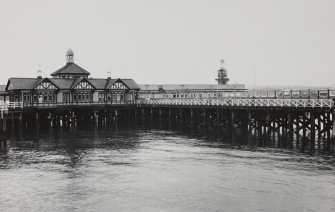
(70, 85)
(190, 91)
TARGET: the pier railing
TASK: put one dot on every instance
(293, 103)
(5, 106)
(303, 103)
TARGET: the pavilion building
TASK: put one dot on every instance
(71, 85)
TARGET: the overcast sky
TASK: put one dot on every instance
(286, 42)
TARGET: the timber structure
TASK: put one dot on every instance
(70, 98)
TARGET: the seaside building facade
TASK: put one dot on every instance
(71, 85)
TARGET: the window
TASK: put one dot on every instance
(101, 97)
(114, 97)
(66, 97)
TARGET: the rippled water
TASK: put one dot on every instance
(157, 170)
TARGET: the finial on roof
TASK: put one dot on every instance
(109, 75)
(69, 56)
(222, 63)
(39, 72)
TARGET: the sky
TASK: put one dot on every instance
(263, 42)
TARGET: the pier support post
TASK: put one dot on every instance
(333, 129)
(290, 128)
(297, 130)
(312, 119)
(96, 117)
(37, 119)
(268, 126)
(231, 125)
(116, 115)
(142, 114)
(304, 126)
(244, 127)
(191, 115)
(217, 118)
(160, 115)
(204, 118)
(4, 124)
(20, 119)
(151, 114)
(329, 126)
(170, 114)
(13, 120)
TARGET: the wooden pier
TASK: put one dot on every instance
(287, 120)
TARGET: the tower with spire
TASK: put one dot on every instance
(222, 75)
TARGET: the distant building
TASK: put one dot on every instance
(221, 89)
(71, 85)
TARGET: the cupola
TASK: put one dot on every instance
(69, 56)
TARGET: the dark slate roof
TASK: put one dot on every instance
(70, 68)
(131, 84)
(3, 89)
(110, 82)
(64, 83)
(78, 80)
(98, 83)
(23, 83)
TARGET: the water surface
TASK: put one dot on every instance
(138, 169)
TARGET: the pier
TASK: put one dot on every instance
(71, 98)
(290, 121)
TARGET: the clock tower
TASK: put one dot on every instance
(222, 75)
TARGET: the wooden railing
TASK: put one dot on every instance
(302, 103)
(10, 105)
(295, 103)
(75, 104)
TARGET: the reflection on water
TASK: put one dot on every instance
(129, 168)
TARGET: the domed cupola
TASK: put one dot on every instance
(69, 56)
(70, 70)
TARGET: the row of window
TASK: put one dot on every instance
(43, 97)
(307, 94)
(51, 97)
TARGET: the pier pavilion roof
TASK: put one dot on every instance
(65, 83)
(70, 69)
(131, 84)
(3, 90)
(21, 83)
(67, 78)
